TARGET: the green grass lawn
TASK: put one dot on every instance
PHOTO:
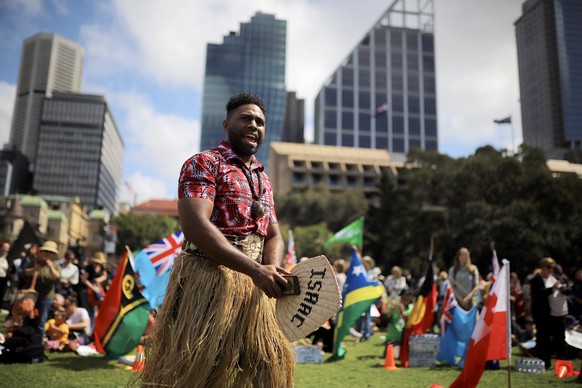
(362, 367)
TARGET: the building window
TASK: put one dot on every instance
(330, 138)
(299, 164)
(364, 121)
(298, 178)
(365, 141)
(347, 98)
(347, 139)
(347, 76)
(316, 165)
(397, 124)
(330, 118)
(430, 127)
(330, 96)
(414, 126)
(347, 120)
(398, 145)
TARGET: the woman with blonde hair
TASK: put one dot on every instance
(464, 279)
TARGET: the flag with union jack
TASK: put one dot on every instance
(449, 303)
(456, 328)
(154, 263)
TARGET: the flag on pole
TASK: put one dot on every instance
(455, 340)
(123, 315)
(291, 256)
(506, 120)
(379, 110)
(448, 308)
(489, 338)
(494, 267)
(352, 234)
(358, 295)
(421, 317)
(154, 263)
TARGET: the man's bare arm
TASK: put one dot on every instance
(194, 214)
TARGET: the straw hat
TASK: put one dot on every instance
(319, 299)
(49, 246)
(99, 257)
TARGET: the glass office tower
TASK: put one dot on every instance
(251, 61)
(80, 150)
(383, 95)
(549, 53)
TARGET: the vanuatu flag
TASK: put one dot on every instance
(123, 315)
(422, 315)
(358, 295)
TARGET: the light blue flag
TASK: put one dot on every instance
(455, 342)
(154, 264)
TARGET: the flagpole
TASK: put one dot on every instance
(508, 330)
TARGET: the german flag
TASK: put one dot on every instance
(422, 315)
(123, 315)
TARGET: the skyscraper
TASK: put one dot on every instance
(549, 53)
(80, 150)
(49, 63)
(251, 61)
(383, 95)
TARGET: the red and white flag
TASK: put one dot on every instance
(291, 256)
(489, 339)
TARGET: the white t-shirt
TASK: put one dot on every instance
(70, 273)
(558, 301)
(79, 316)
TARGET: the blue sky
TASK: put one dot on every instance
(147, 57)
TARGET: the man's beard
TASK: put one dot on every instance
(241, 149)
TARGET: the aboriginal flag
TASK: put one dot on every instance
(422, 315)
(123, 315)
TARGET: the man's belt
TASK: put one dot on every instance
(251, 245)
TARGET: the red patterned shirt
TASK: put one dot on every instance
(216, 175)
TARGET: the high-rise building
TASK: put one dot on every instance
(251, 61)
(549, 53)
(294, 127)
(80, 150)
(383, 95)
(49, 63)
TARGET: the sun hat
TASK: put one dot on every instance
(49, 246)
(99, 257)
(318, 300)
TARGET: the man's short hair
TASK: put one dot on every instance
(243, 99)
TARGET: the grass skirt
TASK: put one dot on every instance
(216, 329)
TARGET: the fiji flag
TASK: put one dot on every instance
(358, 295)
(123, 315)
(154, 263)
(455, 342)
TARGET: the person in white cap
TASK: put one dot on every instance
(42, 276)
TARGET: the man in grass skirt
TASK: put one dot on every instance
(217, 326)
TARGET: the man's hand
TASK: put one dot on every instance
(269, 278)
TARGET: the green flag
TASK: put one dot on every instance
(352, 234)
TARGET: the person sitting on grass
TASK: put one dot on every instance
(79, 324)
(56, 332)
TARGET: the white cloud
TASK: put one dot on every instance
(157, 144)
(7, 94)
(143, 188)
(29, 7)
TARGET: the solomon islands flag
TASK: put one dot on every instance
(358, 295)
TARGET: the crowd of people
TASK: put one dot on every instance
(543, 304)
(50, 301)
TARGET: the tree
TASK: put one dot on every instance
(139, 230)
